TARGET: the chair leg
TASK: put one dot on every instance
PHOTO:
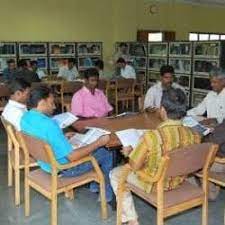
(54, 210)
(205, 212)
(10, 171)
(17, 186)
(27, 198)
(133, 102)
(104, 213)
(119, 207)
(160, 219)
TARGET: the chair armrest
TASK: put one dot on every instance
(75, 163)
(220, 160)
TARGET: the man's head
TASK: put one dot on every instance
(20, 90)
(121, 63)
(123, 48)
(11, 64)
(99, 64)
(22, 64)
(71, 63)
(42, 99)
(34, 65)
(217, 79)
(91, 78)
(166, 73)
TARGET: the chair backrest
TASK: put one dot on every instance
(125, 86)
(187, 160)
(4, 91)
(103, 85)
(141, 78)
(71, 87)
(33, 147)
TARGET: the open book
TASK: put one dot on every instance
(65, 119)
(130, 137)
(92, 134)
(190, 121)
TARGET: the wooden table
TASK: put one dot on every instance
(138, 121)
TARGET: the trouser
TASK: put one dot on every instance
(105, 161)
(214, 189)
(128, 209)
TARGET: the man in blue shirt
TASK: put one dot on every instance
(38, 123)
(8, 73)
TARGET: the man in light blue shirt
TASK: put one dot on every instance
(38, 123)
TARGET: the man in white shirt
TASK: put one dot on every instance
(16, 106)
(214, 103)
(126, 71)
(69, 72)
(154, 94)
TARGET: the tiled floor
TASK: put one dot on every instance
(85, 210)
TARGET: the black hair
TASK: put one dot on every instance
(10, 61)
(37, 94)
(100, 64)
(18, 84)
(71, 60)
(123, 45)
(121, 60)
(91, 72)
(166, 69)
(33, 62)
(22, 63)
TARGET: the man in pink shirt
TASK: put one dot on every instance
(89, 101)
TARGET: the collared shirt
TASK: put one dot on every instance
(128, 72)
(155, 144)
(86, 104)
(13, 112)
(40, 73)
(41, 126)
(213, 104)
(68, 74)
(153, 96)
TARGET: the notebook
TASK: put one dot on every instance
(65, 119)
(130, 137)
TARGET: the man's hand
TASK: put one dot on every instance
(69, 134)
(103, 140)
(126, 150)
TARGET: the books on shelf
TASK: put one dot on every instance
(130, 137)
(193, 122)
(65, 119)
(90, 136)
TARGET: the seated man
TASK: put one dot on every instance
(16, 106)
(217, 137)
(34, 66)
(145, 158)
(90, 101)
(154, 94)
(37, 122)
(214, 103)
(69, 72)
(10, 70)
(126, 71)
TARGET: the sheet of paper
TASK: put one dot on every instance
(130, 137)
(65, 119)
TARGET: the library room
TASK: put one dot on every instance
(112, 112)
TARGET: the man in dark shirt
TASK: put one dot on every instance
(217, 137)
(10, 70)
(25, 73)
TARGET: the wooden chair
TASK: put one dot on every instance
(67, 91)
(140, 85)
(15, 159)
(103, 85)
(124, 92)
(180, 162)
(50, 185)
(4, 96)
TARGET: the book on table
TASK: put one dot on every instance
(65, 119)
(90, 136)
(193, 123)
(130, 137)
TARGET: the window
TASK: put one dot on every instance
(155, 36)
(206, 36)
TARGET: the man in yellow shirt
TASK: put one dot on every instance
(144, 159)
